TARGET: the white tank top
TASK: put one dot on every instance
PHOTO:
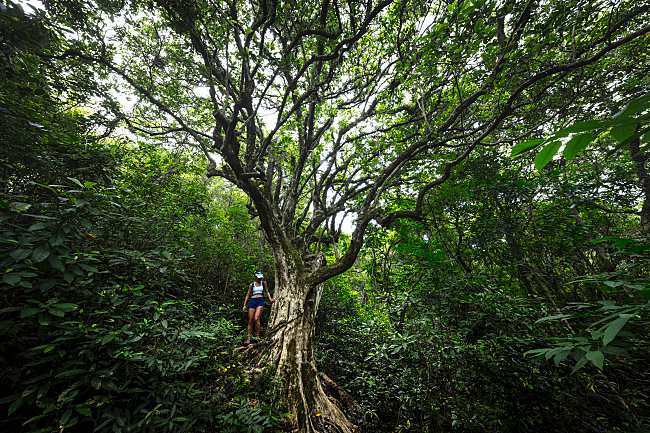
(257, 290)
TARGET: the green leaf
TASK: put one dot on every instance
(83, 410)
(29, 312)
(37, 226)
(71, 373)
(11, 279)
(106, 339)
(76, 181)
(536, 352)
(40, 254)
(525, 146)
(635, 106)
(20, 207)
(57, 240)
(614, 328)
(55, 312)
(577, 144)
(47, 284)
(20, 254)
(622, 132)
(613, 284)
(555, 317)
(583, 126)
(55, 262)
(561, 356)
(596, 357)
(546, 154)
(88, 268)
(581, 363)
(15, 406)
(66, 307)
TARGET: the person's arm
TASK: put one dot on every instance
(248, 295)
(266, 289)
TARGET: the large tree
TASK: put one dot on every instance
(330, 111)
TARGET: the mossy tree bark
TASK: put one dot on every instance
(291, 348)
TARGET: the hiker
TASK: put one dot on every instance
(254, 303)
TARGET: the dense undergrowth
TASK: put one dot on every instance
(108, 321)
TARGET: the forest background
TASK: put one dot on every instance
(517, 300)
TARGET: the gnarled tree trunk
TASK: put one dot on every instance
(291, 353)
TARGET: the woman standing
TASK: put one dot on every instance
(254, 302)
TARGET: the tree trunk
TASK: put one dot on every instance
(291, 354)
(640, 159)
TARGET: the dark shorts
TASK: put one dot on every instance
(255, 302)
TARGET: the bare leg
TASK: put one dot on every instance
(258, 320)
(251, 322)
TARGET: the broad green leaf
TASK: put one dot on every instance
(55, 262)
(47, 284)
(40, 254)
(577, 144)
(71, 373)
(29, 312)
(88, 268)
(635, 106)
(65, 307)
(561, 356)
(16, 405)
(20, 254)
(525, 146)
(37, 226)
(20, 207)
(57, 240)
(614, 328)
(596, 357)
(11, 279)
(621, 133)
(55, 312)
(107, 339)
(83, 410)
(546, 154)
(583, 126)
(613, 283)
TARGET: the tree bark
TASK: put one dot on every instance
(640, 159)
(291, 349)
